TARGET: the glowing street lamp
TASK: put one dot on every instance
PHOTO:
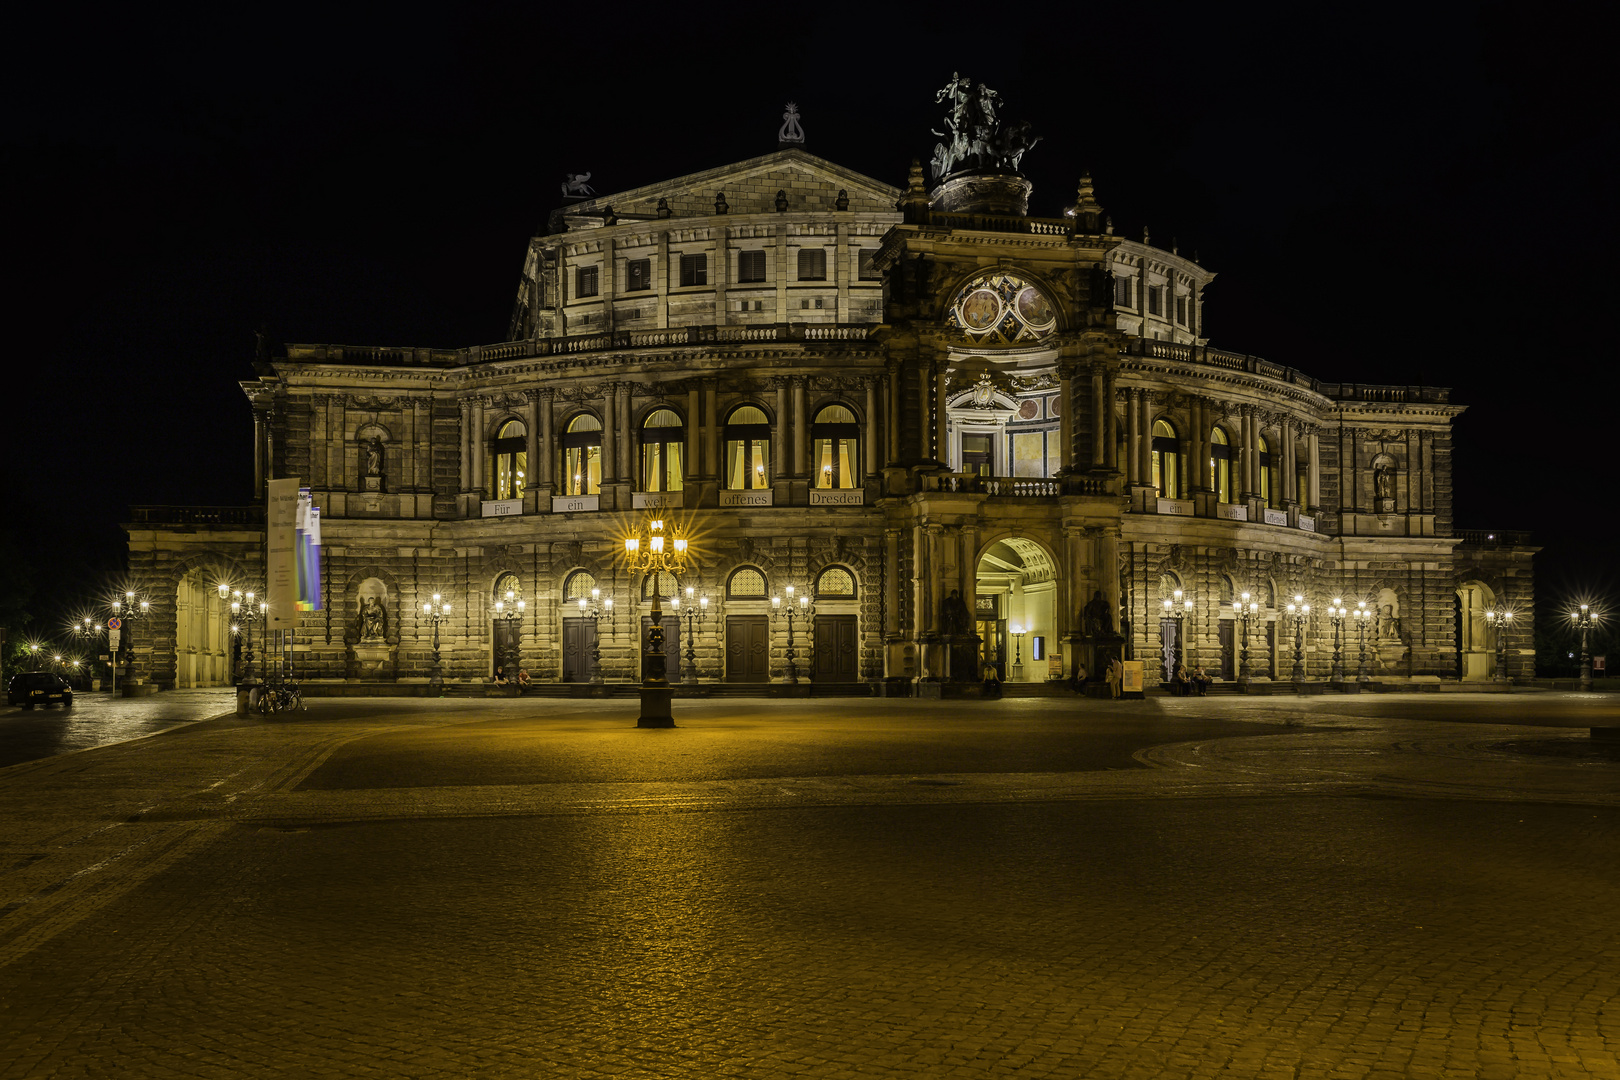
(1362, 617)
(804, 608)
(1178, 603)
(1336, 615)
(437, 613)
(1500, 619)
(1583, 620)
(656, 551)
(594, 609)
(510, 611)
(1247, 609)
(1299, 612)
(695, 611)
(127, 611)
(246, 609)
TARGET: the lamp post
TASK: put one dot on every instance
(1177, 603)
(246, 609)
(696, 610)
(33, 657)
(1299, 612)
(1583, 622)
(594, 609)
(1362, 617)
(510, 611)
(1500, 619)
(1018, 633)
(127, 611)
(1336, 614)
(803, 609)
(1247, 608)
(656, 550)
(437, 613)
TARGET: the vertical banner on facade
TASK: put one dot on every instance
(281, 555)
(307, 526)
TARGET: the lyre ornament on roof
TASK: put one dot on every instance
(790, 131)
(576, 187)
(975, 136)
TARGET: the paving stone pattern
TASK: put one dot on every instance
(1338, 894)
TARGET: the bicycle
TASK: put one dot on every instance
(281, 697)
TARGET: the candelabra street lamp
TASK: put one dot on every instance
(695, 611)
(1018, 633)
(1583, 620)
(801, 607)
(510, 611)
(1299, 612)
(1500, 619)
(246, 609)
(126, 611)
(1336, 616)
(656, 550)
(1178, 603)
(1247, 609)
(437, 613)
(1362, 617)
(595, 609)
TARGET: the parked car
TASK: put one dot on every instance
(39, 688)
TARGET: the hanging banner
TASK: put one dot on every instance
(281, 554)
(307, 525)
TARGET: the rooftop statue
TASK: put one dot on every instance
(576, 187)
(790, 131)
(976, 136)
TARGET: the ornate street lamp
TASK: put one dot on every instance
(510, 611)
(1299, 612)
(1177, 603)
(657, 551)
(594, 609)
(1018, 633)
(1583, 622)
(804, 608)
(246, 609)
(126, 611)
(1336, 616)
(1362, 617)
(696, 610)
(1500, 619)
(1247, 609)
(437, 613)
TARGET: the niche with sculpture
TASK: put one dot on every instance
(372, 638)
(372, 457)
(1391, 643)
(1383, 482)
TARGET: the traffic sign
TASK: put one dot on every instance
(114, 623)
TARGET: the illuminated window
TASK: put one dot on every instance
(750, 267)
(812, 264)
(1166, 460)
(508, 583)
(748, 449)
(638, 275)
(582, 456)
(694, 270)
(584, 281)
(663, 440)
(977, 457)
(578, 586)
(508, 461)
(1220, 465)
(746, 584)
(836, 437)
(1268, 476)
(835, 582)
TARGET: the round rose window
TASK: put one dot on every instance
(1000, 308)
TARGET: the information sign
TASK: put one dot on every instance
(112, 640)
(1599, 661)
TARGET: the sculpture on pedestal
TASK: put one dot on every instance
(974, 130)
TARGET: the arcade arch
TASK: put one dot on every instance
(1015, 593)
(202, 633)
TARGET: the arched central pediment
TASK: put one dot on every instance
(1001, 307)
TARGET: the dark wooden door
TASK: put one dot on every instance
(578, 637)
(1228, 660)
(672, 646)
(506, 646)
(1269, 663)
(748, 648)
(837, 650)
(1169, 647)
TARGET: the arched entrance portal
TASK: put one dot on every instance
(202, 647)
(1476, 638)
(1016, 611)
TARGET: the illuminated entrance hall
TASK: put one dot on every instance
(1015, 614)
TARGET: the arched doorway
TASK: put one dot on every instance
(1015, 616)
(202, 647)
(1476, 638)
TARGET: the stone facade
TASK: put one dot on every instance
(977, 438)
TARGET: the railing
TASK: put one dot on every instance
(1493, 538)
(1001, 223)
(196, 515)
(1203, 355)
(1017, 487)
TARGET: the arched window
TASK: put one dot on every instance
(508, 583)
(837, 441)
(748, 449)
(1166, 460)
(661, 584)
(508, 461)
(746, 584)
(1268, 474)
(579, 584)
(835, 582)
(582, 456)
(1228, 590)
(1169, 585)
(1220, 465)
(663, 442)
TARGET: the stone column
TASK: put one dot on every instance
(466, 454)
(925, 397)
(871, 426)
(260, 469)
(1246, 466)
(942, 438)
(891, 583)
(1290, 491)
(627, 459)
(1200, 442)
(337, 472)
(546, 477)
(1315, 471)
(1098, 424)
(1108, 573)
(711, 430)
(891, 406)
(1146, 446)
(1065, 415)
(1111, 427)
(533, 444)
(780, 465)
(694, 464)
(1133, 436)
(610, 444)
(799, 429)
(478, 445)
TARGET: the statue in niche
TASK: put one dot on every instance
(374, 456)
(1389, 624)
(373, 619)
(1094, 619)
(953, 615)
(1384, 483)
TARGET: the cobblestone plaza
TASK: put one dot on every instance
(1320, 887)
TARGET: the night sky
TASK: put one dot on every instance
(1397, 195)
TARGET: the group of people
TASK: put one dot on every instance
(521, 681)
(1183, 684)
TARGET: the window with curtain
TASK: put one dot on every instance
(663, 446)
(1220, 464)
(836, 437)
(694, 270)
(1268, 474)
(585, 282)
(748, 449)
(1166, 460)
(812, 264)
(508, 461)
(582, 456)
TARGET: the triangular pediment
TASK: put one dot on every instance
(811, 183)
